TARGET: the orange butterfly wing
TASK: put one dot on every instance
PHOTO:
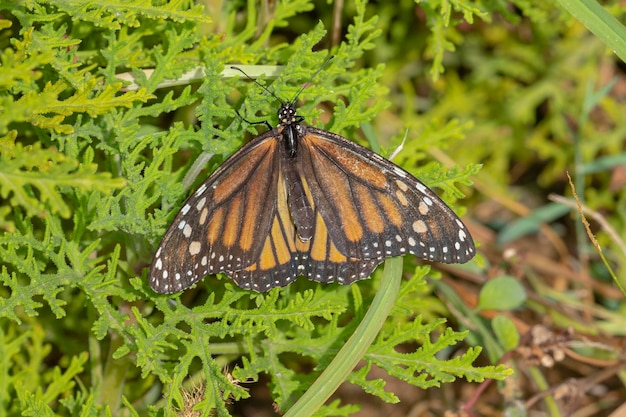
(332, 211)
(374, 209)
(223, 224)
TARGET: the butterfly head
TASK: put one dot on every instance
(287, 115)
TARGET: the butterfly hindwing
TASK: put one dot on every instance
(285, 255)
(275, 265)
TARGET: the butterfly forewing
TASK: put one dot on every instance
(224, 223)
(375, 209)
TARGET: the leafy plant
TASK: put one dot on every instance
(90, 175)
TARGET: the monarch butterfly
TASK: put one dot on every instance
(297, 200)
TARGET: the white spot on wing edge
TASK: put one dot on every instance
(200, 190)
(399, 172)
(421, 187)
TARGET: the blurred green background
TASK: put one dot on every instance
(491, 103)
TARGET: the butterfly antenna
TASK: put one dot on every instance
(311, 79)
(258, 83)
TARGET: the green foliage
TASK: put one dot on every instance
(501, 293)
(29, 382)
(542, 95)
(33, 178)
(506, 332)
(91, 173)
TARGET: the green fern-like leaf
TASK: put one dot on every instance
(421, 367)
(117, 14)
(49, 173)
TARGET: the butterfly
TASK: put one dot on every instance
(302, 201)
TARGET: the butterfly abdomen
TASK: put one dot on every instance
(300, 206)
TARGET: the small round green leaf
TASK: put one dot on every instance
(505, 332)
(502, 293)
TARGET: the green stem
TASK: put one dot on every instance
(354, 349)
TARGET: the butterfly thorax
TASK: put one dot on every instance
(289, 125)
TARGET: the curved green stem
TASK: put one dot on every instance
(356, 346)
